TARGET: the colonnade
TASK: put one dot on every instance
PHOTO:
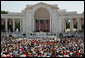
(79, 23)
(13, 23)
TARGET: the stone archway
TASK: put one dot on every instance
(42, 20)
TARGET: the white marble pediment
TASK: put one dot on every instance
(41, 4)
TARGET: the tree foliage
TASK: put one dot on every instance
(4, 12)
(67, 25)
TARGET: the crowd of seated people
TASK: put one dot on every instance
(72, 47)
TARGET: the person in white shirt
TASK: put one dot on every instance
(23, 55)
(66, 55)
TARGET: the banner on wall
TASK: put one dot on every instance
(37, 25)
(10, 21)
(74, 21)
(82, 21)
(2, 21)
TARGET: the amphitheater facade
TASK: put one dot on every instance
(41, 18)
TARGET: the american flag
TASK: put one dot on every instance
(45, 25)
(36, 24)
(39, 25)
(42, 25)
(48, 25)
(10, 21)
(2, 21)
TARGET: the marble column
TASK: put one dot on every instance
(79, 25)
(6, 24)
(20, 25)
(71, 24)
(33, 24)
(64, 24)
(13, 25)
(50, 24)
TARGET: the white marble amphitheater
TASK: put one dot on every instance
(40, 19)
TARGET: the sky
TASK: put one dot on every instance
(18, 6)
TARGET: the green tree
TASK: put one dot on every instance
(67, 25)
(4, 12)
(17, 26)
(82, 26)
(75, 26)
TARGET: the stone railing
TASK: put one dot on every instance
(75, 34)
(42, 34)
(15, 34)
